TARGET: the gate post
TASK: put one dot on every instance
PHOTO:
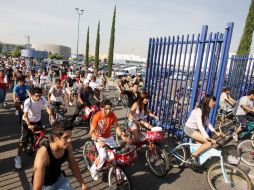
(198, 67)
(222, 69)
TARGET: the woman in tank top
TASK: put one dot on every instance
(136, 116)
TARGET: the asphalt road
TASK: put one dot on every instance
(177, 179)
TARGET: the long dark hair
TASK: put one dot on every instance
(204, 106)
(140, 99)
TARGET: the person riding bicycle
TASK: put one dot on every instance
(245, 112)
(100, 132)
(136, 116)
(31, 118)
(47, 172)
(196, 124)
(132, 94)
(85, 96)
(56, 97)
(226, 101)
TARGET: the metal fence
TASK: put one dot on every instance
(240, 75)
(181, 68)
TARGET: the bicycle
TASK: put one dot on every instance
(58, 111)
(117, 160)
(156, 155)
(220, 175)
(36, 139)
(245, 150)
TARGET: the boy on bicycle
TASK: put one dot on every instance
(100, 132)
(31, 118)
(244, 112)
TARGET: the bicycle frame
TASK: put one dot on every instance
(212, 152)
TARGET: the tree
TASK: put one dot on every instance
(16, 52)
(97, 48)
(243, 49)
(55, 56)
(111, 45)
(246, 39)
(87, 49)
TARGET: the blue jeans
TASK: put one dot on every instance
(61, 184)
(2, 95)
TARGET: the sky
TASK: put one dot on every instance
(56, 21)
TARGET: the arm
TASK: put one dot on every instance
(247, 108)
(74, 168)
(79, 99)
(14, 97)
(151, 114)
(39, 168)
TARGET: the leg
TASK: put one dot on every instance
(197, 136)
(146, 124)
(78, 109)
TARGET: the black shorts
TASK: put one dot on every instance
(243, 119)
(26, 132)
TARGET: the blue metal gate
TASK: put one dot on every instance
(241, 68)
(179, 69)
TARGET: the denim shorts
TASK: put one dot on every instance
(62, 183)
(132, 125)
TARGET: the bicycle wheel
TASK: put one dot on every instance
(118, 178)
(246, 151)
(89, 153)
(177, 154)
(157, 160)
(238, 179)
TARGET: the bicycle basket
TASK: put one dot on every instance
(126, 157)
(156, 134)
(230, 155)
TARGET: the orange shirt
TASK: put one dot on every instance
(103, 124)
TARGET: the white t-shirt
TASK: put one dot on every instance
(56, 94)
(34, 108)
(88, 77)
(243, 101)
(93, 85)
(195, 122)
(223, 103)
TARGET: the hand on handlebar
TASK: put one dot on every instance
(218, 134)
(31, 127)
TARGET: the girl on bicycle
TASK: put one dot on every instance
(136, 115)
(198, 121)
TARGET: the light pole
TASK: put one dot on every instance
(79, 12)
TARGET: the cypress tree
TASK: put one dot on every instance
(97, 48)
(246, 39)
(243, 49)
(111, 45)
(87, 49)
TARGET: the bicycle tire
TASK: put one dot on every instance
(164, 156)
(118, 178)
(89, 148)
(244, 150)
(241, 181)
(176, 150)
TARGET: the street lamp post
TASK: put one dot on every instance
(79, 12)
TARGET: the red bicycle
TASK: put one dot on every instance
(156, 155)
(36, 139)
(83, 119)
(117, 160)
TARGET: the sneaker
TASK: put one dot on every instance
(17, 112)
(5, 105)
(70, 104)
(94, 175)
(235, 137)
(17, 162)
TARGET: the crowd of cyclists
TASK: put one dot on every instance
(41, 88)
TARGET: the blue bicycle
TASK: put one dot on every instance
(220, 175)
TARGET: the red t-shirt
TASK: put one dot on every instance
(3, 82)
(103, 124)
